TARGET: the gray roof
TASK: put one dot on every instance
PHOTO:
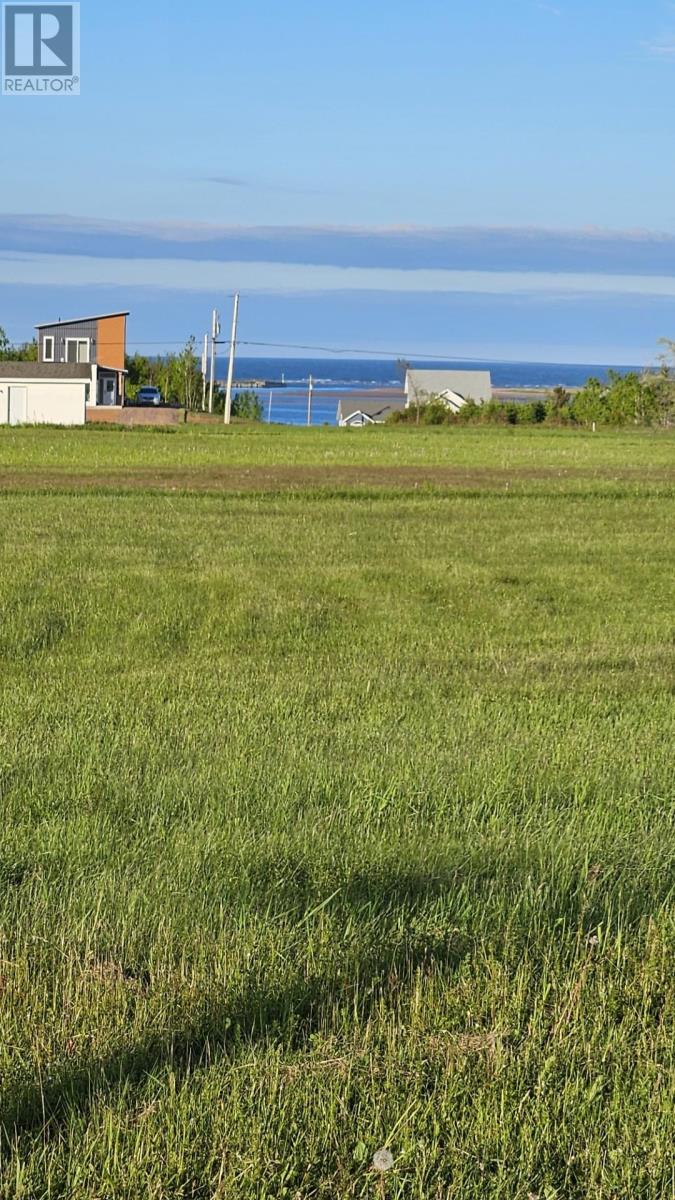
(471, 385)
(35, 370)
(81, 320)
(381, 407)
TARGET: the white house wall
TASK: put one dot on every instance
(48, 402)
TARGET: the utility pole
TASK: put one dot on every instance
(230, 370)
(269, 411)
(310, 392)
(215, 331)
(205, 366)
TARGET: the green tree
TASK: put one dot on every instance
(435, 412)
(178, 376)
(163, 376)
(469, 413)
(247, 406)
(186, 377)
(138, 369)
(559, 401)
(590, 404)
(663, 384)
(624, 399)
(25, 352)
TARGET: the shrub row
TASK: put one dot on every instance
(630, 399)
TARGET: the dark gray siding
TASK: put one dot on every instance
(79, 329)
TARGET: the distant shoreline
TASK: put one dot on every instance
(372, 380)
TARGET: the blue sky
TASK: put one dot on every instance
(493, 179)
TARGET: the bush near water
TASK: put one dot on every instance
(631, 399)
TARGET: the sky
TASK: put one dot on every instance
(492, 179)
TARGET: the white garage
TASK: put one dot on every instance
(44, 393)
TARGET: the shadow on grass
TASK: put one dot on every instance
(396, 921)
(524, 884)
(289, 1014)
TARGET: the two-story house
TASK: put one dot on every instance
(80, 366)
(99, 342)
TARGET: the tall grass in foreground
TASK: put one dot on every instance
(332, 825)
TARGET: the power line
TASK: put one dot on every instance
(358, 351)
(391, 354)
(394, 355)
(337, 350)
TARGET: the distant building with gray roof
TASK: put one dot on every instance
(453, 388)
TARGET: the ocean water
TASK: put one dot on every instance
(334, 377)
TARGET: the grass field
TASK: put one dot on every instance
(338, 814)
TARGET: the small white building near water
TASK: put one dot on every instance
(34, 393)
(357, 412)
(452, 388)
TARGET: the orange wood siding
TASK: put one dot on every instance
(111, 343)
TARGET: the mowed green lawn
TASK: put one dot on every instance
(100, 448)
(337, 821)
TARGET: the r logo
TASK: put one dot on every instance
(41, 42)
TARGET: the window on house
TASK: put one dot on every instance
(48, 349)
(77, 350)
